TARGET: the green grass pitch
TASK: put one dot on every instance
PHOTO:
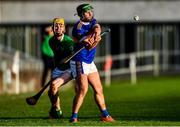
(151, 102)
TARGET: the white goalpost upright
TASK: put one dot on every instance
(107, 69)
(132, 67)
(6, 77)
(15, 70)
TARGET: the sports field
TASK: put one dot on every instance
(152, 102)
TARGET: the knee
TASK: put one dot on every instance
(76, 89)
(99, 90)
(53, 88)
(83, 91)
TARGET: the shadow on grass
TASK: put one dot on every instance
(41, 117)
(148, 118)
(14, 118)
(117, 118)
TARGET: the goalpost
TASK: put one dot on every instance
(15, 70)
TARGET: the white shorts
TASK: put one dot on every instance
(57, 72)
(78, 68)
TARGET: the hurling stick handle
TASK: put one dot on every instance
(69, 58)
(42, 90)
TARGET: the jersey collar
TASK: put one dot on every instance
(85, 23)
(62, 37)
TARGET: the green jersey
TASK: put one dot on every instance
(46, 50)
(61, 49)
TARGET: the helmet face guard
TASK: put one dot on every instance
(83, 8)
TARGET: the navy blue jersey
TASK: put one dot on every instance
(80, 30)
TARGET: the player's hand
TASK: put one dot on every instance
(97, 32)
(97, 37)
(91, 39)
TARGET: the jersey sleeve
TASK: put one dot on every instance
(81, 31)
(93, 23)
(77, 31)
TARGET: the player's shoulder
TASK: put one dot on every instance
(78, 25)
(67, 38)
(51, 38)
(94, 21)
(51, 41)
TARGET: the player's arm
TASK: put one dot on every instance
(97, 32)
(94, 35)
(93, 38)
(78, 37)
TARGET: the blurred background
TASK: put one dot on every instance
(149, 46)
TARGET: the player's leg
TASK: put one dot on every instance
(76, 93)
(81, 88)
(95, 82)
(54, 87)
(81, 91)
(63, 77)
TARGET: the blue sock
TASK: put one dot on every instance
(105, 113)
(74, 115)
